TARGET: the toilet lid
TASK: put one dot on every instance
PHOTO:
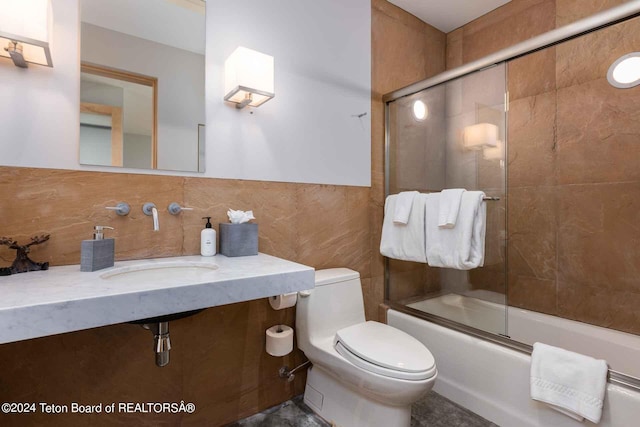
(385, 350)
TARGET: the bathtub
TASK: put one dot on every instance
(493, 380)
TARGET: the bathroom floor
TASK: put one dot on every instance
(432, 411)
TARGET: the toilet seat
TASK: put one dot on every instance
(386, 351)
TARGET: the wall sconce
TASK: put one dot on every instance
(494, 153)
(24, 31)
(248, 78)
(480, 135)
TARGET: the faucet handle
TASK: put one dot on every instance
(121, 208)
(147, 208)
(174, 208)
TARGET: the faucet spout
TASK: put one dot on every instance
(156, 223)
(150, 209)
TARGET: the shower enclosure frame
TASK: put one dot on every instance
(579, 28)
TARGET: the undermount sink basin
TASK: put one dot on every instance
(188, 271)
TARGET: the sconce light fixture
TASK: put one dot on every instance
(24, 31)
(494, 153)
(624, 73)
(480, 135)
(248, 78)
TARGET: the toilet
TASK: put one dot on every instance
(363, 373)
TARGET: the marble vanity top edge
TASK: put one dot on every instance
(70, 300)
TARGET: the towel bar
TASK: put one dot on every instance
(485, 198)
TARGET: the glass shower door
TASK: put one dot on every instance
(453, 135)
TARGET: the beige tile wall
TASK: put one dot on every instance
(573, 156)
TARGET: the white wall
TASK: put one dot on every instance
(39, 108)
(306, 133)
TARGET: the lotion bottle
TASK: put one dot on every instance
(208, 239)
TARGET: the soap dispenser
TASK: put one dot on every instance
(97, 253)
(208, 239)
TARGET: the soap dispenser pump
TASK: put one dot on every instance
(208, 239)
(97, 253)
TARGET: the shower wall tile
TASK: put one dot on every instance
(588, 57)
(523, 83)
(510, 24)
(569, 11)
(532, 293)
(597, 133)
(532, 142)
(598, 236)
(599, 306)
(405, 49)
(586, 303)
(532, 232)
(454, 48)
(408, 279)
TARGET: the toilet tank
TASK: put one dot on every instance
(335, 303)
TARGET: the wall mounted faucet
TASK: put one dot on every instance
(121, 208)
(174, 208)
(150, 209)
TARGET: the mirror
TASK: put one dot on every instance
(142, 84)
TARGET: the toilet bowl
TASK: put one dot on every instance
(363, 373)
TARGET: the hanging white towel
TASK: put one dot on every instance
(404, 242)
(449, 207)
(461, 247)
(404, 203)
(571, 383)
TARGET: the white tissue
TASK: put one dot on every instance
(239, 217)
(280, 302)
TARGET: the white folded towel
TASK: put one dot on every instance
(404, 242)
(571, 383)
(404, 203)
(449, 207)
(461, 247)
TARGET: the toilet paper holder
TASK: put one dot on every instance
(289, 374)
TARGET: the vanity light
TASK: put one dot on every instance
(248, 78)
(625, 71)
(480, 135)
(420, 111)
(24, 31)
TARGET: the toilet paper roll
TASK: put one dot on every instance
(279, 340)
(279, 302)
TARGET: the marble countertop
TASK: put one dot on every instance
(63, 299)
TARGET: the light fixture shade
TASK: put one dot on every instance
(248, 77)
(28, 23)
(480, 135)
(494, 153)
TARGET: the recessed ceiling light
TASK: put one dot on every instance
(625, 71)
(420, 111)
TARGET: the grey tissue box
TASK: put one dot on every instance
(238, 239)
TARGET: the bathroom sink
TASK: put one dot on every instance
(187, 271)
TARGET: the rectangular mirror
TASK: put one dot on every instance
(142, 84)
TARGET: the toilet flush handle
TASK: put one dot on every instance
(304, 294)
